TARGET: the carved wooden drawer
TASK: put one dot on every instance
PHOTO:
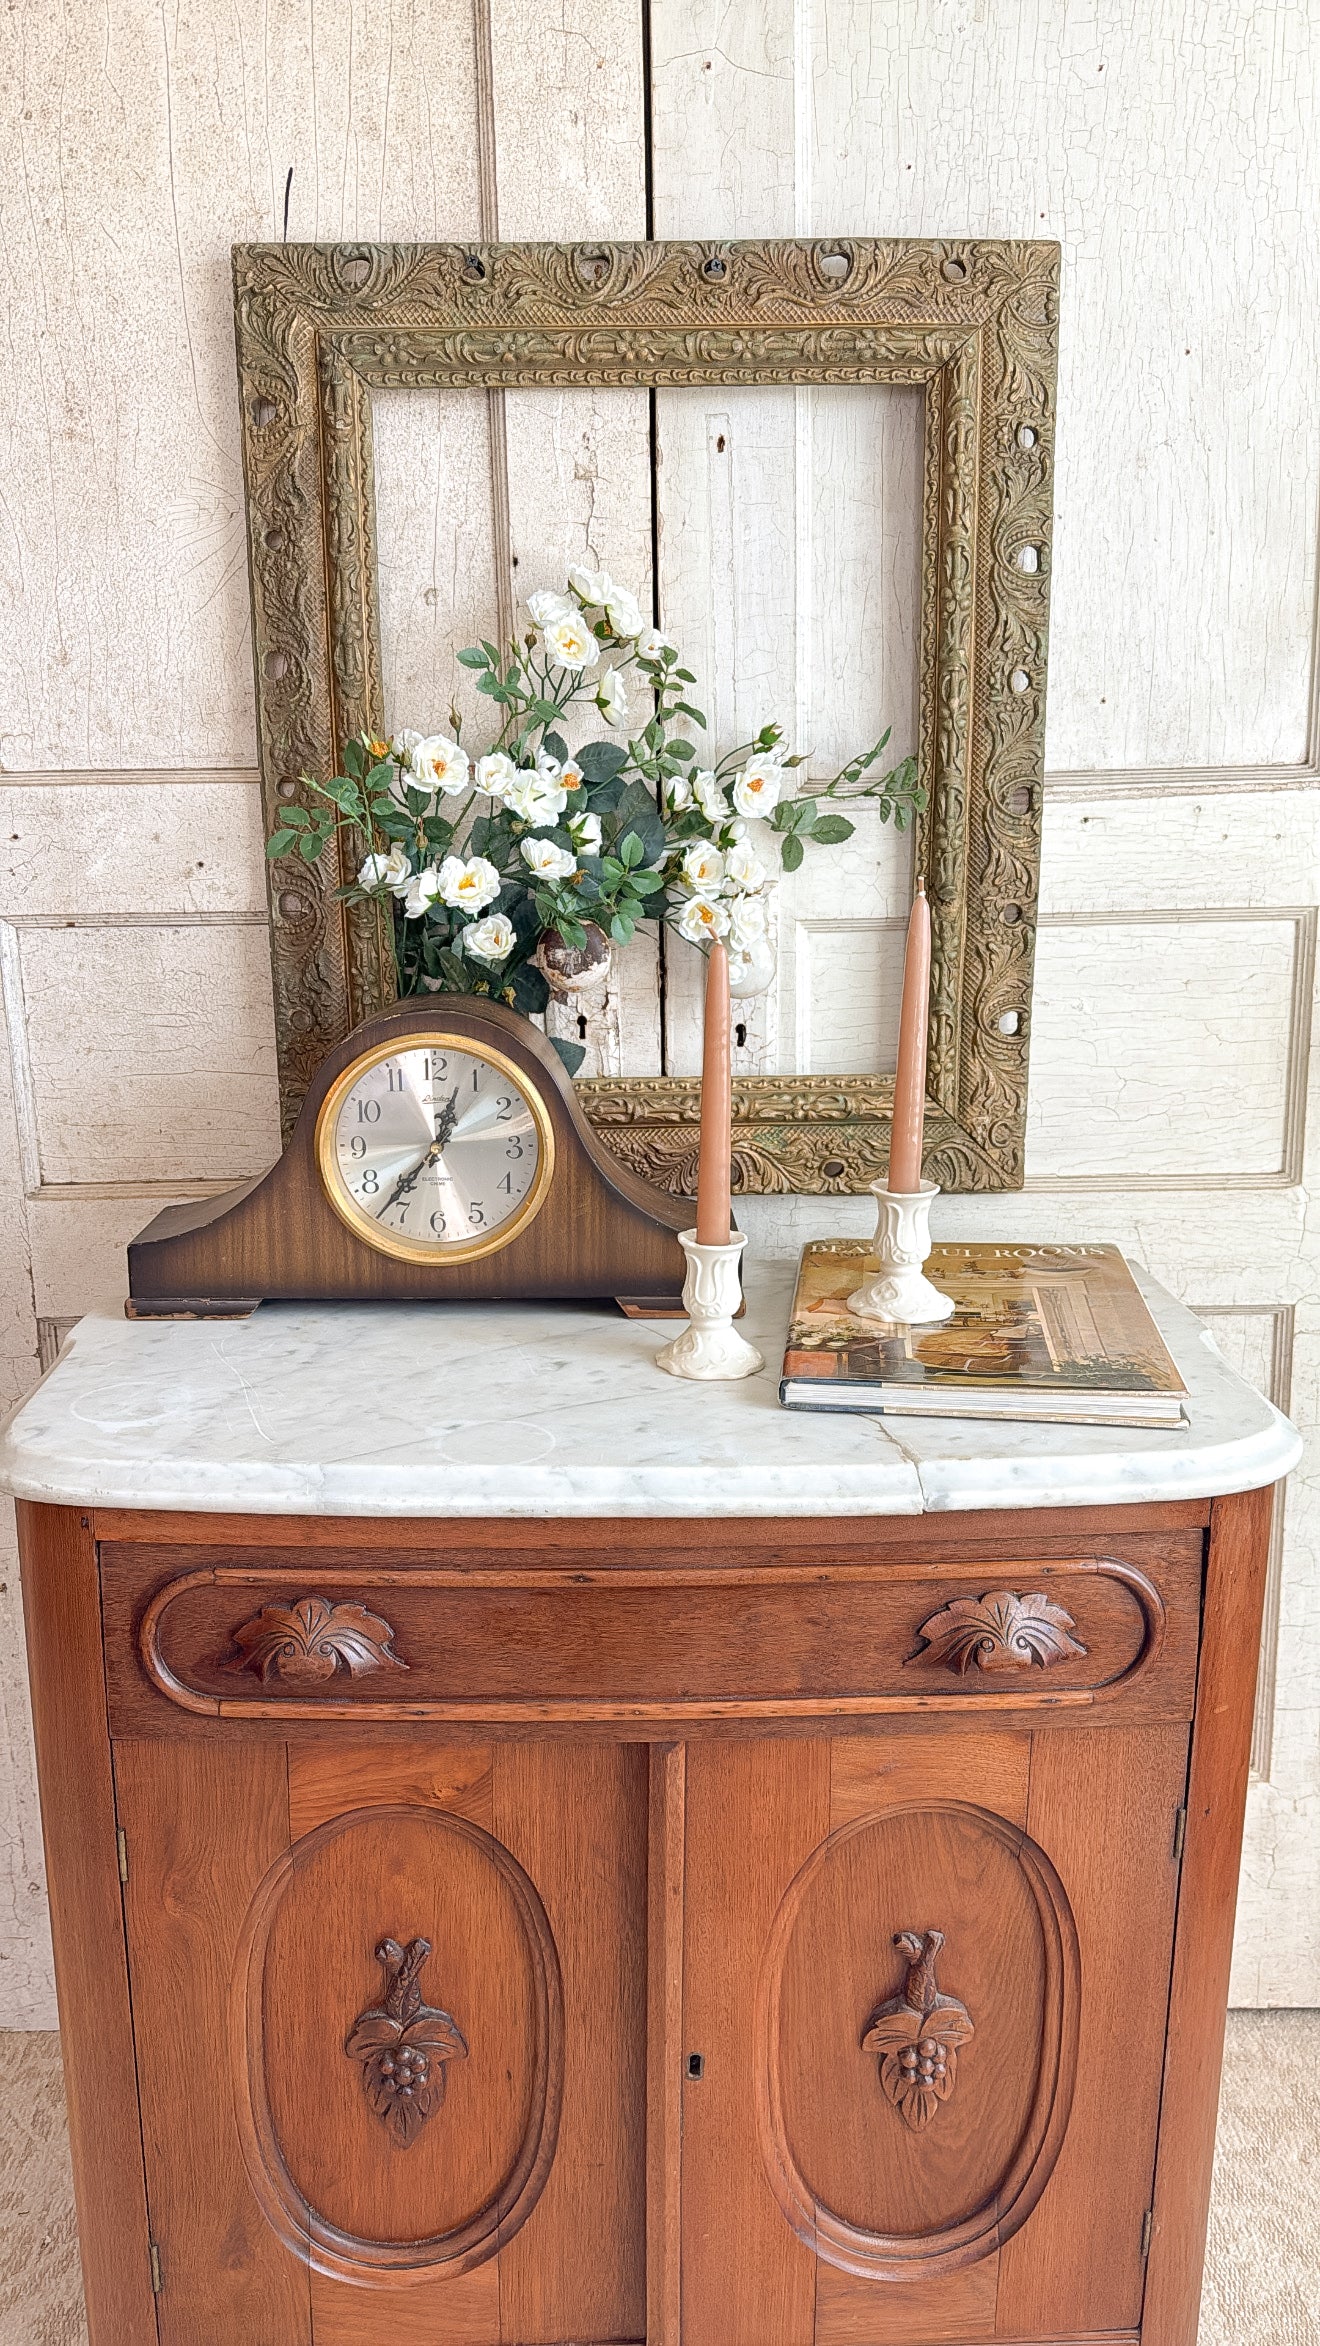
(246, 1635)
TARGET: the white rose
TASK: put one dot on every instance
(624, 612)
(495, 772)
(758, 787)
(536, 798)
(585, 830)
(710, 798)
(568, 776)
(440, 764)
(594, 586)
(490, 940)
(405, 743)
(747, 921)
(650, 643)
(548, 861)
(386, 871)
(469, 886)
(702, 868)
(570, 642)
(702, 918)
(422, 891)
(678, 790)
(745, 867)
(546, 606)
(612, 698)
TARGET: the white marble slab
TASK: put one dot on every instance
(539, 1410)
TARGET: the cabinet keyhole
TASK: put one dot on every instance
(696, 2065)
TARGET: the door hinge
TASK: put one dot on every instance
(121, 1844)
(1147, 2227)
(1179, 1833)
(157, 2279)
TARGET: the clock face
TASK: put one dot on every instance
(433, 1149)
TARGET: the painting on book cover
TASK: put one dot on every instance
(1067, 1317)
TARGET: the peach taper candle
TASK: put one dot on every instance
(910, 1079)
(715, 1158)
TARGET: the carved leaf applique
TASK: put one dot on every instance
(306, 1642)
(404, 2044)
(916, 2035)
(1000, 1631)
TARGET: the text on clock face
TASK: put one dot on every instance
(436, 1146)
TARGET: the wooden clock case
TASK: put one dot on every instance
(601, 1232)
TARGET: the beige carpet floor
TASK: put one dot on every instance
(1262, 2283)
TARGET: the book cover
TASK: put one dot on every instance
(1032, 1322)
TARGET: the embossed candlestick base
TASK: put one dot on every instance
(900, 1289)
(710, 1346)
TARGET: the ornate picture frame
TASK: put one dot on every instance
(319, 328)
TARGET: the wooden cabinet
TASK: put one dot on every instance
(786, 1934)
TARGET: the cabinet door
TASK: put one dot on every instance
(927, 1982)
(390, 2025)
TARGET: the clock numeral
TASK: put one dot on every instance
(438, 1225)
(504, 1109)
(434, 1068)
(370, 1182)
(507, 1185)
(368, 1111)
(476, 1079)
(514, 1149)
(357, 1147)
(477, 1213)
(395, 1075)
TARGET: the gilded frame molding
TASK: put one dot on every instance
(320, 327)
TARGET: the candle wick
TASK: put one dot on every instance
(921, 883)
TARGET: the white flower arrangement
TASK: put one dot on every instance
(547, 845)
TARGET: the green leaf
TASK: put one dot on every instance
(832, 829)
(279, 843)
(630, 850)
(572, 1054)
(309, 848)
(685, 709)
(601, 761)
(646, 883)
(555, 746)
(491, 651)
(621, 928)
(792, 852)
(472, 656)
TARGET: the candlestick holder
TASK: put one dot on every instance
(710, 1345)
(900, 1289)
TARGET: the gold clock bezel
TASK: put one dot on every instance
(406, 1250)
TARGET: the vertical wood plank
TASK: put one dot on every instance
(1216, 1800)
(61, 1598)
(755, 1811)
(204, 1824)
(574, 1816)
(664, 2083)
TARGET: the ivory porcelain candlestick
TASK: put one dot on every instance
(710, 1345)
(900, 1289)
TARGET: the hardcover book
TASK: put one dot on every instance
(1053, 1334)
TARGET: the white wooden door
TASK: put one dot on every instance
(1172, 1023)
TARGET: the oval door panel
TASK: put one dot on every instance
(917, 2019)
(399, 2045)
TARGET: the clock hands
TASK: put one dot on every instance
(444, 1133)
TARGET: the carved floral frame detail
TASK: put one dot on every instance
(321, 327)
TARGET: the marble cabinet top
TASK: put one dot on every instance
(540, 1410)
